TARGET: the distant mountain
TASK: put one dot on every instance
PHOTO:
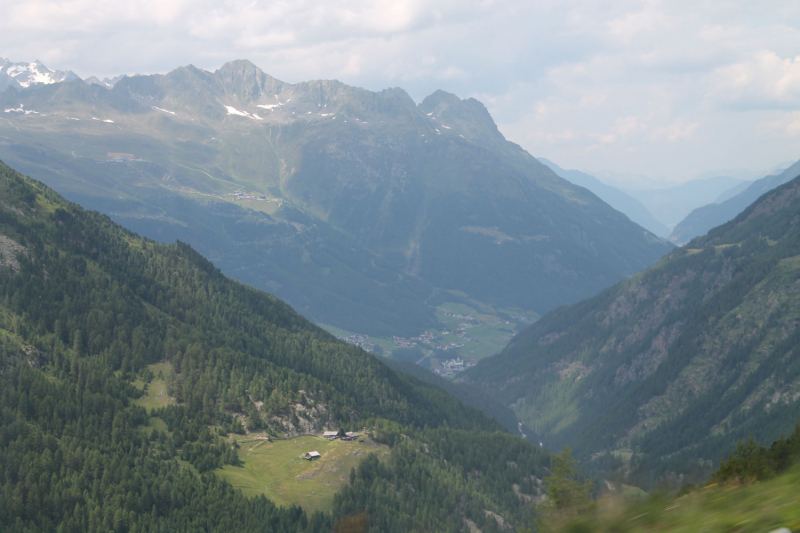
(733, 191)
(24, 75)
(108, 83)
(670, 205)
(674, 364)
(336, 198)
(622, 202)
(704, 218)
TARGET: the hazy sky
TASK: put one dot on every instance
(666, 89)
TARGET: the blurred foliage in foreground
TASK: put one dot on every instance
(757, 489)
(725, 507)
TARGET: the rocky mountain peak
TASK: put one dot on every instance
(24, 75)
(469, 115)
(245, 81)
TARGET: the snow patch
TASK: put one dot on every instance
(34, 75)
(446, 127)
(270, 107)
(110, 121)
(164, 110)
(234, 111)
(21, 110)
(429, 114)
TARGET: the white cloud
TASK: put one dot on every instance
(764, 80)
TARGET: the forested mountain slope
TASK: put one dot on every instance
(702, 219)
(676, 362)
(86, 306)
(346, 198)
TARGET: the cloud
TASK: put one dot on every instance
(763, 81)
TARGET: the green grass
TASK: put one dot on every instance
(276, 470)
(154, 423)
(156, 395)
(757, 508)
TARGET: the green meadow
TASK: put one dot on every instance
(277, 470)
(155, 396)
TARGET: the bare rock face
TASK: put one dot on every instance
(9, 251)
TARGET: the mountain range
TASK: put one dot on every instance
(671, 205)
(616, 198)
(335, 198)
(702, 219)
(676, 363)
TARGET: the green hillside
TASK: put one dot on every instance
(753, 490)
(675, 364)
(130, 371)
(334, 198)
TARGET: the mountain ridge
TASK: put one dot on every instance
(675, 363)
(704, 218)
(616, 198)
(433, 190)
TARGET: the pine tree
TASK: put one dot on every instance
(567, 497)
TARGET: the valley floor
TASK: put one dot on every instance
(464, 332)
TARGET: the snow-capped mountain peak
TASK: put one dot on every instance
(24, 75)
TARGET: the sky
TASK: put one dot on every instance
(667, 90)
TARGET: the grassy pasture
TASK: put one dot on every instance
(156, 395)
(276, 470)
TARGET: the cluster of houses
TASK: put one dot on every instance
(358, 340)
(402, 342)
(461, 332)
(451, 346)
(453, 366)
(333, 435)
(330, 435)
(469, 318)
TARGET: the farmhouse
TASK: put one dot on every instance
(351, 436)
(310, 456)
(330, 435)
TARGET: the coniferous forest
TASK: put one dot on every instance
(86, 306)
